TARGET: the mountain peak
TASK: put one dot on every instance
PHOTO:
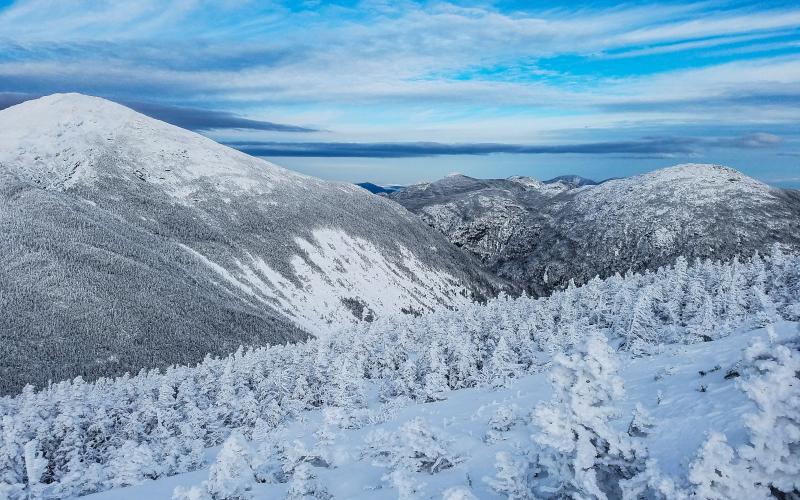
(64, 109)
(719, 179)
(702, 170)
(571, 181)
(61, 140)
(528, 182)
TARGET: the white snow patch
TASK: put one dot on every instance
(334, 267)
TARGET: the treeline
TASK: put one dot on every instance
(74, 437)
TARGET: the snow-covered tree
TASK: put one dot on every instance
(717, 475)
(35, 466)
(501, 421)
(651, 484)
(347, 387)
(581, 455)
(774, 447)
(642, 330)
(415, 447)
(435, 381)
(423, 448)
(407, 485)
(267, 461)
(641, 423)
(503, 366)
(191, 493)
(231, 477)
(514, 478)
(132, 464)
(305, 485)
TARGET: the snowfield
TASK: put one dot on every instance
(684, 389)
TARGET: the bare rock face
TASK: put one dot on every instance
(129, 243)
(540, 235)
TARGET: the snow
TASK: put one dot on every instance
(334, 267)
(58, 141)
(272, 239)
(522, 231)
(690, 184)
(424, 404)
(666, 385)
(445, 405)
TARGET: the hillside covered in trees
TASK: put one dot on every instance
(74, 437)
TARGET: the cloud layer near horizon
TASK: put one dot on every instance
(657, 147)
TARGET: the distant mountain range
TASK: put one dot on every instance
(563, 181)
(376, 189)
(573, 181)
(129, 243)
(540, 235)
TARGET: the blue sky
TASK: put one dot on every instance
(400, 91)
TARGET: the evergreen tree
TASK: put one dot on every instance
(132, 464)
(581, 454)
(774, 447)
(35, 466)
(716, 475)
(435, 387)
(503, 366)
(305, 485)
(514, 478)
(232, 477)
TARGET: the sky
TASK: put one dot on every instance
(397, 92)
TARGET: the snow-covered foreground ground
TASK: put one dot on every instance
(688, 391)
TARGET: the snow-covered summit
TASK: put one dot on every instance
(705, 181)
(526, 181)
(63, 139)
(571, 181)
(683, 186)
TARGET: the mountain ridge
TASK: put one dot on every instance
(541, 235)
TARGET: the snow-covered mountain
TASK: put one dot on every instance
(541, 235)
(131, 243)
(571, 181)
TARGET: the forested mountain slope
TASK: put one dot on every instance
(130, 243)
(541, 235)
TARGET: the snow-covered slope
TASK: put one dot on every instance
(684, 390)
(129, 243)
(382, 408)
(541, 235)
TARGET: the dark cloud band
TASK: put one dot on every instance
(647, 146)
(202, 119)
(188, 118)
